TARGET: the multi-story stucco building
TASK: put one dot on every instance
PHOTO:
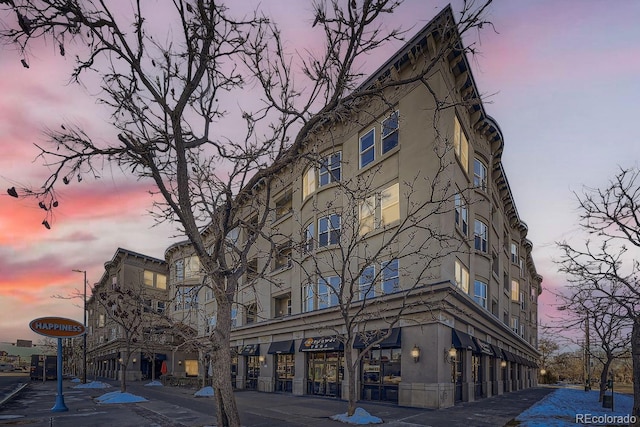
(126, 316)
(408, 212)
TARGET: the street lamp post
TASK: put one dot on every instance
(84, 336)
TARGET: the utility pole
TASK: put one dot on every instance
(84, 336)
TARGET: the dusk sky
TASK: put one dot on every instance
(561, 78)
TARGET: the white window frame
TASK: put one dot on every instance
(366, 283)
(327, 292)
(332, 232)
(515, 290)
(309, 237)
(515, 324)
(308, 298)
(390, 131)
(390, 200)
(480, 236)
(480, 175)
(390, 275)
(371, 148)
(514, 253)
(461, 214)
(480, 298)
(330, 170)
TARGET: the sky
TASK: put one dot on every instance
(561, 78)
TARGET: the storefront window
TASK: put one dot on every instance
(381, 374)
(285, 371)
(325, 373)
(253, 372)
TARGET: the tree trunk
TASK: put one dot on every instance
(153, 367)
(603, 377)
(635, 357)
(123, 371)
(351, 387)
(226, 408)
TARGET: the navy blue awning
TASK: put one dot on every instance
(321, 344)
(392, 341)
(281, 347)
(462, 340)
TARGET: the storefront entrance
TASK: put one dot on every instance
(285, 365)
(457, 371)
(476, 363)
(252, 357)
(325, 373)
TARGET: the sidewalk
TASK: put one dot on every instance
(177, 407)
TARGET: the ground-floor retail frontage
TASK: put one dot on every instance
(430, 366)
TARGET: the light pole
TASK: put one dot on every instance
(84, 336)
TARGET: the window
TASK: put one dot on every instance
(309, 237)
(522, 330)
(515, 324)
(330, 170)
(390, 276)
(327, 292)
(283, 205)
(462, 276)
(533, 294)
(251, 313)
(480, 233)
(514, 252)
(367, 283)
(308, 182)
(308, 298)
(155, 280)
(390, 132)
(147, 305)
(232, 237)
(179, 270)
(148, 278)
(367, 215)
(495, 264)
(234, 315)
(461, 215)
(161, 281)
(522, 269)
(388, 213)
(282, 305)
(192, 267)
(328, 230)
(101, 321)
(186, 298)
(160, 306)
(390, 204)
(523, 300)
(479, 175)
(283, 256)
(367, 150)
(461, 145)
(515, 290)
(480, 293)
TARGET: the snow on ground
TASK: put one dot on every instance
(76, 380)
(570, 407)
(204, 392)
(93, 384)
(153, 384)
(119, 397)
(360, 416)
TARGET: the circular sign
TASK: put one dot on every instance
(57, 327)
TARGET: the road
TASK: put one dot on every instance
(10, 381)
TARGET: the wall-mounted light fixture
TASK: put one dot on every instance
(450, 355)
(543, 372)
(179, 362)
(134, 360)
(120, 360)
(261, 359)
(503, 364)
(415, 353)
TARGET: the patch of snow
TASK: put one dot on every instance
(119, 397)
(360, 416)
(568, 407)
(76, 380)
(204, 392)
(154, 384)
(93, 384)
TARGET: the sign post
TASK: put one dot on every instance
(57, 327)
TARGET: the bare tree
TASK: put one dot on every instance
(547, 348)
(170, 109)
(604, 267)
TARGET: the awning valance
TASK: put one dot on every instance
(462, 340)
(509, 356)
(392, 341)
(497, 351)
(485, 348)
(281, 347)
(250, 350)
(321, 344)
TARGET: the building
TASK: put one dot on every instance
(126, 315)
(407, 216)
